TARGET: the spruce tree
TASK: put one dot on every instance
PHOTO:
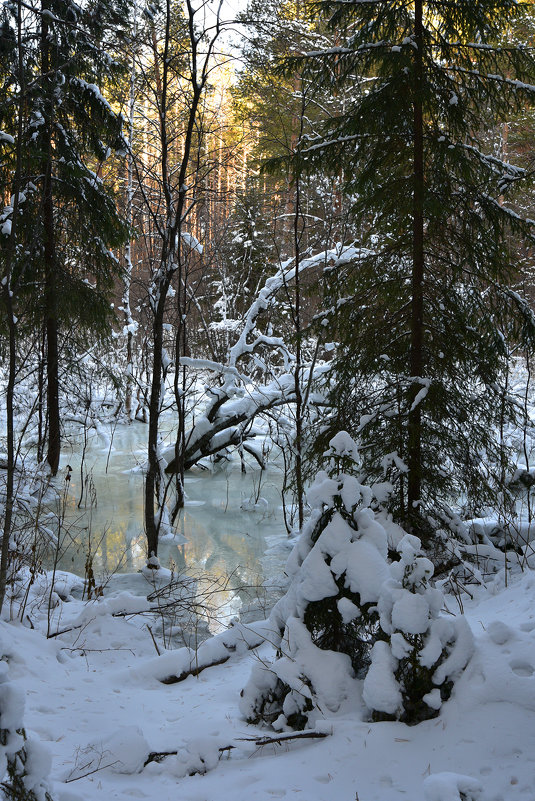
(426, 314)
(349, 614)
(62, 220)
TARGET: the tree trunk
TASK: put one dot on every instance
(41, 406)
(414, 478)
(10, 483)
(127, 312)
(298, 230)
(49, 259)
(52, 369)
(153, 477)
(171, 259)
(12, 329)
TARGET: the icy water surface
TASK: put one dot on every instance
(232, 525)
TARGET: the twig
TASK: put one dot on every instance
(194, 671)
(84, 650)
(90, 772)
(158, 756)
(64, 631)
(154, 641)
(302, 735)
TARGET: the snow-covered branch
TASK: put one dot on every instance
(234, 401)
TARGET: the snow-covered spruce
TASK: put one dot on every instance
(349, 615)
(326, 624)
(414, 667)
(24, 761)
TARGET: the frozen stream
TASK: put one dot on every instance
(223, 534)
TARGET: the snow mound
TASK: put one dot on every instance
(122, 751)
(199, 755)
(451, 787)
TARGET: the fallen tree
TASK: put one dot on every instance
(234, 400)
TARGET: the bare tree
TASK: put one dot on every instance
(182, 58)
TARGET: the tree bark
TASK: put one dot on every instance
(153, 478)
(8, 293)
(127, 312)
(171, 263)
(10, 478)
(298, 230)
(414, 445)
(49, 260)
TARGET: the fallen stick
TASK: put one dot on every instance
(194, 671)
(300, 735)
(158, 756)
(199, 667)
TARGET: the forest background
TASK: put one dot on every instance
(326, 229)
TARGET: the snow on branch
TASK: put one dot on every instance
(234, 401)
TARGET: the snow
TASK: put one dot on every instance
(342, 444)
(123, 751)
(380, 690)
(348, 610)
(365, 569)
(192, 242)
(317, 581)
(422, 393)
(108, 702)
(38, 764)
(449, 786)
(330, 673)
(460, 654)
(410, 613)
(93, 90)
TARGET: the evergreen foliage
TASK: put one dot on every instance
(67, 121)
(426, 317)
(420, 653)
(327, 622)
(349, 614)
(61, 221)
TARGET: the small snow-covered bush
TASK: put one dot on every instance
(414, 667)
(327, 622)
(349, 614)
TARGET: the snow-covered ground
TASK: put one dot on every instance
(94, 697)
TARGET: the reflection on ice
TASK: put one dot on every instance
(229, 523)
